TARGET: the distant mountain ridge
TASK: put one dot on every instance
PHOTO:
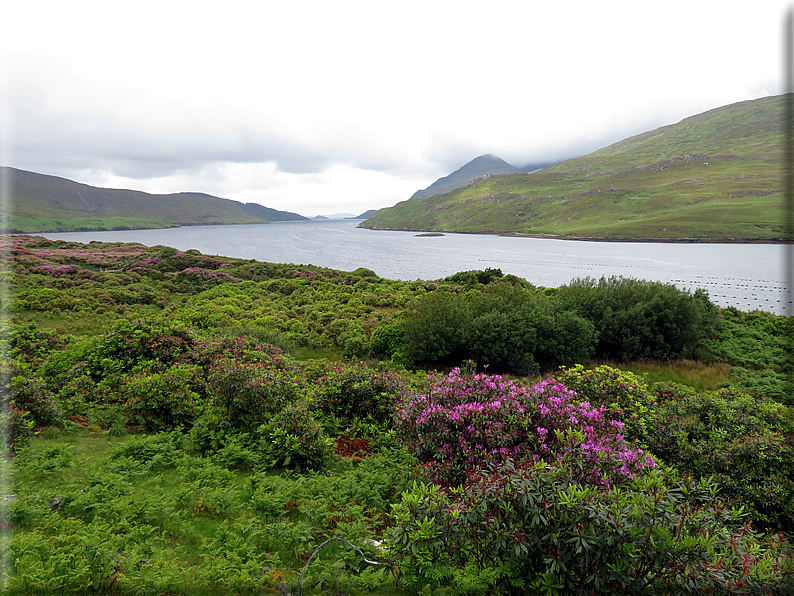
(718, 175)
(365, 215)
(479, 166)
(43, 203)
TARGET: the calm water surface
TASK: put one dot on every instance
(748, 276)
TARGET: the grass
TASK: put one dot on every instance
(79, 324)
(81, 224)
(698, 375)
(193, 521)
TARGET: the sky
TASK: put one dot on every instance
(321, 107)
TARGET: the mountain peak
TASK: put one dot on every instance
(479, 166)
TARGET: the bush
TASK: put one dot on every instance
(740, 441)
(294, 438)
(624, 393)
(435, 328)
(247, 395)
(358, 392)
(33, 396)
(531, 529)
(241, 344)
(386, 340)
(131, 343)
(743, 442)
(464, 422)
(638, 319)
(163, 400)
(31, 344)
(508, 327)
(474, 278)
(17, 427)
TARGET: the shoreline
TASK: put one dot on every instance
(649, 240)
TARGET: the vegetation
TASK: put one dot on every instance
(41, 203)
(165, 433)
(715, 175)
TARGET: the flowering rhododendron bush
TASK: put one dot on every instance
(466, 421)
(536, 492)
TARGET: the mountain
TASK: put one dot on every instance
(269, 214)
(338, 215)
(479, 166)
(42, 203)
(716, 175)
(367, 214)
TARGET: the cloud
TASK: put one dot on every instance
(323, 101)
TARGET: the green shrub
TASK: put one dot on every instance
(163, 400)
(435, 328)
(294, 439)
(247, 395)
(386, 340)
(638, 319)
(31, 344)
(17, 427)
(742, 441)
(624, 393)
(364, 272)
(530, 530)
(474, 278)
(131, 343)
(509, 327)
(32, 395)
(348, 392)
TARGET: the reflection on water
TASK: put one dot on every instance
(748, 276)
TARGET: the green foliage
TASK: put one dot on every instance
(435, 328)
(638, 319)
(16, 427)
(156, 452)
(742, 441)
(386, 340)
(294, 438)
(474, 278)
(364, 272)
(624, 393)
(508, 327)
(32, 395)
(758, 346)
(739, 440)
(31, 345)
(532, 530)
(163, 400)
(348, 392)
(131, 343)
(246, 395)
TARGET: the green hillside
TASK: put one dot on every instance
(479, 166)
(41, 203)
(715, 175)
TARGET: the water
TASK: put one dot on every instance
(747, 276)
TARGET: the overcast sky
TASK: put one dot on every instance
(324, 107)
